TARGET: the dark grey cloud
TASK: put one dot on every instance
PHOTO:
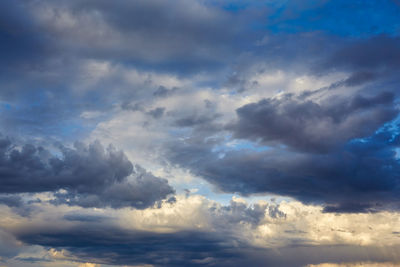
(359, 78)
(355, 79)
(193, 34)
(168, 35)
(373, 59)
(9, 246)
(45, 42)
(83, 217)
(46, 46)
(11, 200)
(28, 260)
(132, 31)
(18, 42)
(91, 237)
(88, 176)
(156, 113)
(112, 245)
(196, 120)
(370, 60)
(162, 91)
(18, 204)
(310, 126)
(379, 53)
(362, 176)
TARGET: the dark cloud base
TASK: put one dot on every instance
(192, 248)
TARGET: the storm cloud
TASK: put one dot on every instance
(310, 126)
(88, 176)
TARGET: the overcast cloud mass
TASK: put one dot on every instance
(199, 133)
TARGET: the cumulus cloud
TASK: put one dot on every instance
(88, 176)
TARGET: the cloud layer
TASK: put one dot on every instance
(259, 133)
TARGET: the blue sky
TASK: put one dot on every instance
(199, 133)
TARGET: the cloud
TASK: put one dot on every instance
(18, 204)
(9, 246)
(194, 120)
(189, 248)
(117, 246)
(239, 213)
(379, 53)
(361, 176)
(88, 176)
(152, 33)
(162, 91)
(80, 56)
(142, 32)
(296, 99)
(77, 217)
(197, 231)
(356, 264)
(156, 113)
(309, 126)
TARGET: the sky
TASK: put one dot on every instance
(199, 133)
